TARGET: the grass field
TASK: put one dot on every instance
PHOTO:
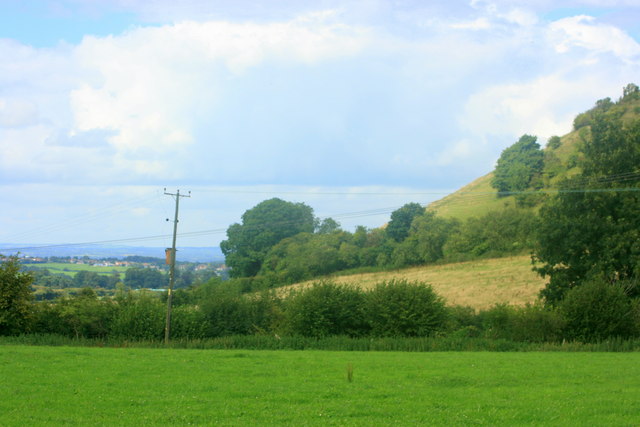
(479, 284)
(125, 386)
(72, 269)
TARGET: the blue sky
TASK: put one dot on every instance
(348, 106)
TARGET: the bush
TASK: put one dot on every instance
(325, 309)
(188, 322)
(230, 313)
(531, 323)
(597, 310)
(398, 308)
(139, 316)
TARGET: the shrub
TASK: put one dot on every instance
(597, 310)
(325, 309)
(402, 309)
(531, 323)
(188, 322)
(230, 313)
(141, 316)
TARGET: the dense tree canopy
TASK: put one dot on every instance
(15, 297)
(592, 227)
(518, 165)
(401, 219)
(263, 226)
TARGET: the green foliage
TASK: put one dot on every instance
(227, 312)
(398, 308)
(518, 165)
(531, 323)
(145, 278)
(80, 316)
(583, 232)
(15, 297)
(307, 255)
(328, 226)
(598, 310)
(425, 242)
(501, 233)
(325, 309)
(554, 142)
(401, 219)
(140, 316)
(262, 227)
(91, 279)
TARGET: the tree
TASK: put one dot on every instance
(328, 226)
(263, 226)
(138, 277)
(592, 227)
(15, 297)
(517, 166)
(427, 237)
(401, 219)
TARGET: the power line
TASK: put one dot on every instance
(469, 197)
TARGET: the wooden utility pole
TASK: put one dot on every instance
(172, 265)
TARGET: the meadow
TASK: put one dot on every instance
(71, 269)
(127, 386)
(479, 284)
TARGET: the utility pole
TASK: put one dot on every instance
(172, 264)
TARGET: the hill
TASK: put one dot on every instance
(560, 158)
(479, 284)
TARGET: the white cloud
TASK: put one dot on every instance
(544, 106)
(584, 32)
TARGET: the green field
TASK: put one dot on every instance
(72, 269)
(127, 386)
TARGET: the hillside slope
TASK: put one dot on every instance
(479, 284)
(479, 197)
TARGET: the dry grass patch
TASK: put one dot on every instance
(479, 284)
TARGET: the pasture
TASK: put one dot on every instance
(479, 284)
(71, 269)
(134, 386)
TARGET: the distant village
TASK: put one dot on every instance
(128, 262)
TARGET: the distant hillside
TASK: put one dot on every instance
(479, 197)
(191, 254)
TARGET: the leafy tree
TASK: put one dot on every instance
(263, 226)
(90, 279)
(328, 226)
(630, 91)
(401, 219)
(305, 256)
(592, 227)
(15, 297)
(426, 240)
(140, 277)
(518, 165)
(505, 232)
(554, 142)
(402, 309)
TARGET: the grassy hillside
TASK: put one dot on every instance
(479, 284)
(479, 197)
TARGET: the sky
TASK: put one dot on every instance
(352, 107)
